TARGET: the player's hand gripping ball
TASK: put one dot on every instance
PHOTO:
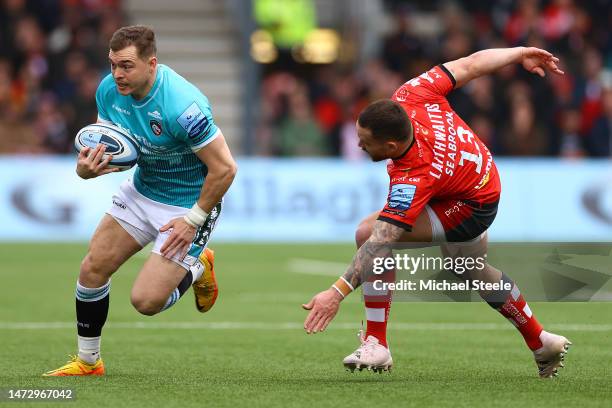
(123, 147)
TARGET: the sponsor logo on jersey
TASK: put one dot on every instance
(155, 114)
(406, 179)
(394, 212)
(156, 127)
(484, 181)
(121, 110)
(401, 196)
(193, 120)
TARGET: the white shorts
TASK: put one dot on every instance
(142, 218)
(437, 230)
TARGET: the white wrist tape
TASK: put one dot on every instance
(343, 287)
(196, 216)
(338, 290)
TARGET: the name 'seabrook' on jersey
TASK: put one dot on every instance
(446, 160)
(171, 123)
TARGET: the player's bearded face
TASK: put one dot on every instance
(376, 149)
(131, 73)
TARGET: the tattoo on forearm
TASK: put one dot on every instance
(382, 234)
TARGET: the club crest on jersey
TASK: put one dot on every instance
(401, 196)
(402, 94)
(156, 127)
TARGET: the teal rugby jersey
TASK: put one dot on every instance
(170, 123)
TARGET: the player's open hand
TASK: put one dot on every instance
(180, 238)
(92, 163)
(538, 61)
(323, 307)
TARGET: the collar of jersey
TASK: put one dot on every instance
(159, 78)
(401, 156)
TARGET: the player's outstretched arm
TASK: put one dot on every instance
(324, 306)
(534, 60)
(221, 172)
(383, 233)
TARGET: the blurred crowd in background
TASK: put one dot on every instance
(53, 54)
(514, 112)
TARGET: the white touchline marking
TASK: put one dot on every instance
(316, 267)
(595, 327)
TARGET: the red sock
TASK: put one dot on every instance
(516, 309)
(378, 304)
(375, 312)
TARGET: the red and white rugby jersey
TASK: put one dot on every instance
(446, 160)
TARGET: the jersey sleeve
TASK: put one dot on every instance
(430, 86)
(407, 198)
(193, 122)
(100, 98)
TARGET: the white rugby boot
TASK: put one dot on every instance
(370, 355)
(549, 357)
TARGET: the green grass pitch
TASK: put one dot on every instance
(250, 350)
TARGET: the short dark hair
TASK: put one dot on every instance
(386, 120)
(142, 37)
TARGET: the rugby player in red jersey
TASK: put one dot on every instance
(444, 190)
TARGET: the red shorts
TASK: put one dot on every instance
(463, 220)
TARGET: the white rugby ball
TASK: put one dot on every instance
(119, 143)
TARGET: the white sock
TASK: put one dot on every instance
(196, 270)
(89, 349)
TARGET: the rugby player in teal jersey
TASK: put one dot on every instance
(173, 199)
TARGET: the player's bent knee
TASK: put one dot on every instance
(95, 270)
(145, 306)
(363, 232)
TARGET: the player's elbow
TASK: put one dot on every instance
(463, 70)
(232, 169)
(473, 65)
(223, 172)
(228, 171)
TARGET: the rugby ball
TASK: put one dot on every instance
(119, 143)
